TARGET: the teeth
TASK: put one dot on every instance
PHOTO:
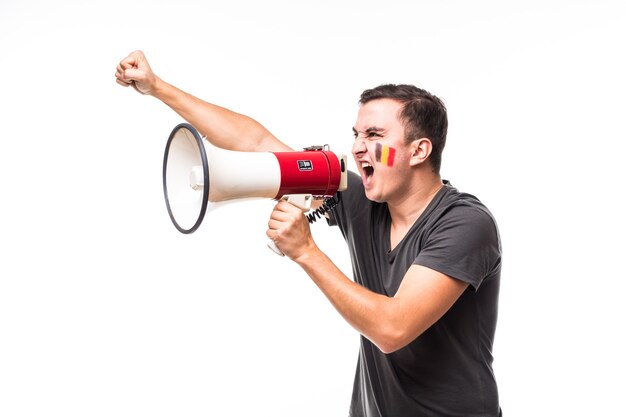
(365, 165)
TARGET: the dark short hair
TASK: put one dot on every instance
(423, 115)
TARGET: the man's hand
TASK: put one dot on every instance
(289, 229)
(135, 71)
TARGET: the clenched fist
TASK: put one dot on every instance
(135, 71)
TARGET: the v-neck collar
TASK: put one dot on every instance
(391, 253)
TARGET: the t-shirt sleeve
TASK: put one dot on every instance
(464, 245)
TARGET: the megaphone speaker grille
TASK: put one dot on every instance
(185, 178)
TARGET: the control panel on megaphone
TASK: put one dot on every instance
(195, 173)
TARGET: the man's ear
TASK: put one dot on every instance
(420, 151)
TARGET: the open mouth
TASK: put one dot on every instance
(368, 169)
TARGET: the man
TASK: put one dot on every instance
(426, 258)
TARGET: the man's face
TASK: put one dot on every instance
(379, 149)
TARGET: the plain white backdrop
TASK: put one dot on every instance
(106, 310)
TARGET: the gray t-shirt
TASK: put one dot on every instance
(447, 370)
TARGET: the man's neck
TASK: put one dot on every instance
(405, 211)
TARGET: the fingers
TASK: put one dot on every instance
(123, 83)
(286, 207)
(289, 229)
(133, 60)
(127, 73)
(132, 68)
(133, 74)
(121, 76)
(285, 212)
(286, 218)
(278, 220)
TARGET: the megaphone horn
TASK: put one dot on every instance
(195, 173)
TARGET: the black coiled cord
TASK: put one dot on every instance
(328, 204)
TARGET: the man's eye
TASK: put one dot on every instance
(368, 135)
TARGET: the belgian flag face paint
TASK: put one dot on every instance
(385, 154)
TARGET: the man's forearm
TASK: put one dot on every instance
(369, 313)
(222, 127)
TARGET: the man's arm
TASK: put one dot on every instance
(390, 323)
(222, 127)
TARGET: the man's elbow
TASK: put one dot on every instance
(393, 340)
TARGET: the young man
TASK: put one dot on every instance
(426, 258)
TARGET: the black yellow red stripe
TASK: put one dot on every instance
(385, 154)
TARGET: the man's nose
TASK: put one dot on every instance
(359, 146)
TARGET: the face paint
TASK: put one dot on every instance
(385, 154)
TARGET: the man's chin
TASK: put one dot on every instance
(373, 196)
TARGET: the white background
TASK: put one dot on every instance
(106, 310)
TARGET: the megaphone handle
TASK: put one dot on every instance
(274, 248)
(303, 202)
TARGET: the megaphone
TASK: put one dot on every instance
(195, 172)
